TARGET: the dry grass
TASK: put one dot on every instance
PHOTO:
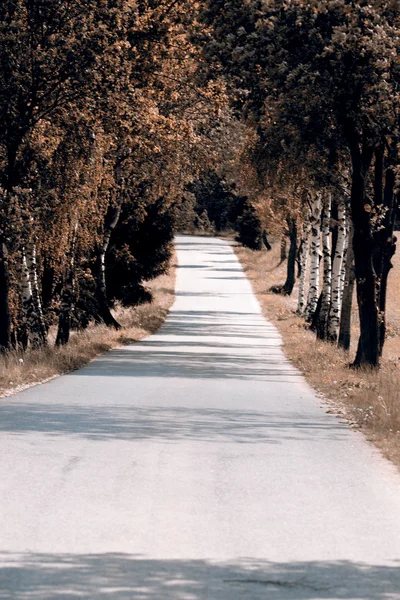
(369, 400)
(19, 370)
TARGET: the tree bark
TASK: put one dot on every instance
(347, 296)
(66, 306)
(291, 265)
(385, 241)
(47, 282)
(322, 321)
(304, 263)
(111, 220)
(265, 240)
(283, 249)
(5, 321)
(363, 246)
(39, 322)
(315, 244)
(337, 270)
(389, 250)
(67, 294)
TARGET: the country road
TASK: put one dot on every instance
(194, 465)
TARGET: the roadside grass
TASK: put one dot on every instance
(368, 400)
(20, 370)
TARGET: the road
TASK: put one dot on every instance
(194, 465)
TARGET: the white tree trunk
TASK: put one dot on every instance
(39, 323)
(31, 319)
(338, 274)
(26, 288)
(322, 320)
(345, 253)
(304, 264)
(347, 293)
(315, 254)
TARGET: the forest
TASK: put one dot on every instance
(124, 121)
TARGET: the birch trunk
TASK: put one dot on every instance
(322, 321)
(344, 262)
(337, 275)
(303, 267)
(30, 317)
(315, 253)
(347, 294)
(38, 320)
(5, 320)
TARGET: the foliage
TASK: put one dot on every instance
(318, 86)
(105, 118)
(250, 232)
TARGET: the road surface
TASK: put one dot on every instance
(194, 465)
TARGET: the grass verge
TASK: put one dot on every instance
(368, 400)
(19, 370)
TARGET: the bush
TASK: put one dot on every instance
(248, 226)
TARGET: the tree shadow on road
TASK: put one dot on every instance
(135, 423)
(122, 576)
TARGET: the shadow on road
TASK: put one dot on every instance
(123, 577)
(125, 422)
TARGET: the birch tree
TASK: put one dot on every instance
(304, 260)
(315, 255)
(344, 338)
(337, 274)
(325, 302)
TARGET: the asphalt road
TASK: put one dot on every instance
(194, 465)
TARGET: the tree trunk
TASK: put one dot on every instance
(5, 321)
(322, 321)
(111, 220)
(344, 261)
(35, 329)
(304, 263)
(315, 244)
(66, 307)
(347, 296)
(337, 270)
(265, 240)
(389, 250)
(67, 294)
(26, 296)
(363, 246)
(47, 282)
(385, 242)
(39, 324)
(291, 265)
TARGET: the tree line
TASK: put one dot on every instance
(316, 85)
(115, 114)
(105, 113)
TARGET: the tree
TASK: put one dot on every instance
(329, 73)
(249, 228)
